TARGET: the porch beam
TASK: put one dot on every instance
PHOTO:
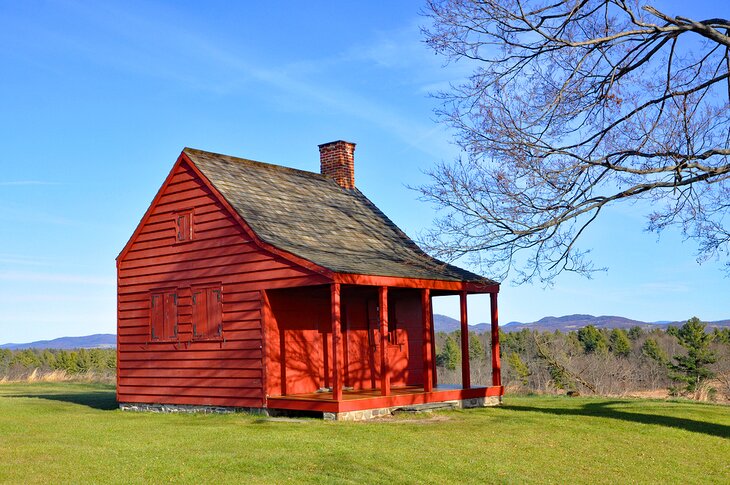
(427, 320)
(496, 365)
(433, 345)
(395, 282)
(336, 337)
(384, 366)
(465, 369)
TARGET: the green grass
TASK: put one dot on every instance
(72, 433)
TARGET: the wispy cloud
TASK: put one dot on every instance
(157, 48)
(18, 183)
(26, 214)
(402, 49)
(66, 278)
(14, 259)
(65, 298)
(82, 320)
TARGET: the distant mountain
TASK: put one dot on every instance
(566, 323)
(442, 323)
(97, 341)
(574, 322)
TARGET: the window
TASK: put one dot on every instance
(163, 315)
(207, 313)
(184, 226)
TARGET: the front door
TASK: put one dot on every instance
(396, 345)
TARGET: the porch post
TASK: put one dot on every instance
(384, 367)
(427, 318)
(465, 370)
(496, 365)
(336, 317)
(433, 346)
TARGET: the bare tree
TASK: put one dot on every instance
(574, 106)
(722, 370)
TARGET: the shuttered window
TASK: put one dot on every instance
(184, 226)
(163, 315)
(207, 313)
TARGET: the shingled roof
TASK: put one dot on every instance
(311, 216)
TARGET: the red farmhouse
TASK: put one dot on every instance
(249, 285)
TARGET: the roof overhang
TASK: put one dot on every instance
(398, 282)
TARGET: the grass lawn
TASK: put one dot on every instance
(72, 433)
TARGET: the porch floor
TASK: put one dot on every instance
(360, 399)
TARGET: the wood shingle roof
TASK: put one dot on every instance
(312, 217)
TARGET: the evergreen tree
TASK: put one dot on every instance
(48, 359)
(619, 343)
(721, 335)
(593, 340)
(26, 358)
(691, 370)
(5, 357)
(450, 356)
(652, 350)
(515, 341)
(635, 333)
(83, 360)
(561, 379)
(518, 365)
(476, 349)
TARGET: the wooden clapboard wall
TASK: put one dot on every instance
(226, 370)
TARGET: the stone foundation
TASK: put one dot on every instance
(481, 402)
(185, 408)
(366, 414)
(362, 415)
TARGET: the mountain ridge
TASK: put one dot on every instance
(442, 323)
(95, 341)
(566, 323)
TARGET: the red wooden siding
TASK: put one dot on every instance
(226, 369)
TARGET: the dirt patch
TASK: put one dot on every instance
(652, 394)
(413, 418)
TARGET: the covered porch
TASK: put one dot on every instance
(350, 346)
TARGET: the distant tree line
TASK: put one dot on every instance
(21, 364)
(686, 360)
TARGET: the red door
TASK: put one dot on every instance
(397, 346)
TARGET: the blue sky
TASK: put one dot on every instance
(99, 98)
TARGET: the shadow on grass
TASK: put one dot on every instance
(604, 410)
(102, 400)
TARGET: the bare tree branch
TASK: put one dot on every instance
(574, 106)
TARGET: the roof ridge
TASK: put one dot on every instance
(264, 165)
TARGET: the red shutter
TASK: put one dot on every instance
(183, 226)
(170, 324)
(179, 231)
(200, 313)
(157, 316)
(207, 313)
(215, 313)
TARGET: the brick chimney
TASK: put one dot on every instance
(337, 161)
